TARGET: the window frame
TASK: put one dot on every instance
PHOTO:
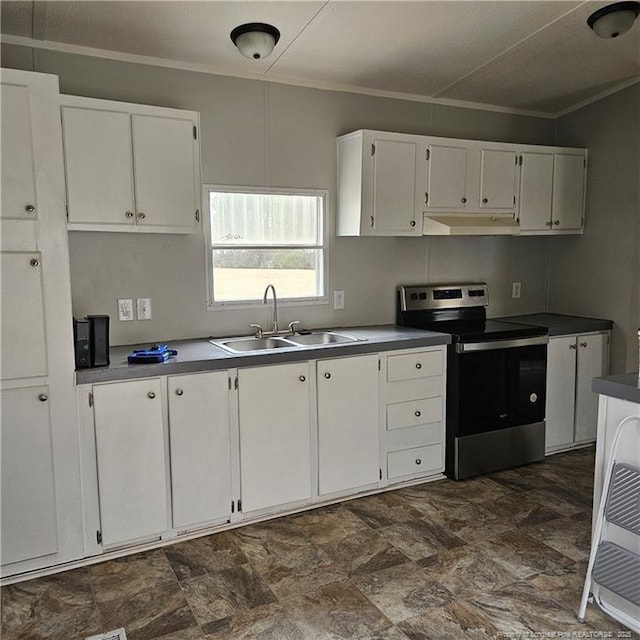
(217, 305)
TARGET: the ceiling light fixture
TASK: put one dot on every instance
(614, 19)
(255, 40)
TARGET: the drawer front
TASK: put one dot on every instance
(421, 460)
(411, 437)
(414, 412)
(414, 365)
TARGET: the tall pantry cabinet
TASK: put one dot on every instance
(41, 506)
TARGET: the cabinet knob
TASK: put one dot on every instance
(43, 397)
(142, 216)
(302, 378)
(556, 222)
(583, 344)
(463, 200)
(418, 414)
(179, 392)
(485, 200)
(572, 346)
(30, 208)
(412, 223)
(548, 223)
(327, 375)
(34, 262)
(418, 365)
(151, 395)
(418, 461)
(129, 214)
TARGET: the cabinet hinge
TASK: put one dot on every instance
(195, 132)
(235, 386)
(371, 221)
(520, 160)
(516, 161)
(379, 366)
(584, 163)
(239, 506)
(514, 200)
(229, 383)
(428, 154)
(66, 206)
(197, 215)
(426, 197)
(91, 399)
(380, 474)
(517, 220)
(233, 506)
(99, 537)
(373, 149)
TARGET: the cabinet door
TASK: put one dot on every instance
(29, 528)
(536, 182)
(18, 163)
(165, 171)
(593, 360)
(275, 435)
(561, 380)
(568, 191)
(200, 447)
(394, 188)
(497, 179)
(131, 460)
(24, 350)
(98, 163)
(446, 177)
(348, 430)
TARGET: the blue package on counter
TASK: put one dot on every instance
(155, 353)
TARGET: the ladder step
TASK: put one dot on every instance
(618, 570)
(623, 501)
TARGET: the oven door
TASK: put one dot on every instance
(501, 384)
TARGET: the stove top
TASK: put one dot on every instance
(464, 331)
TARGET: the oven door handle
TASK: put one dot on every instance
(466, 347)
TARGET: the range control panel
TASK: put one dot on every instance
(430, 296)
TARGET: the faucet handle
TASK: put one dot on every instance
(258, 329)
(292, 330)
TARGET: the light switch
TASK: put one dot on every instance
(144, 308)
(516, 288)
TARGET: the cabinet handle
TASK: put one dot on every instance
(142, 216)
(572, 346)
(35, 262)
(179, 392)
(302, 378)
(151, 395)
(418, 414)
(583, 344)
(485, 200)
(418, 365)
(43, 397)
(327, 375)
(30, 208)
(463, 200)
(129, 214)
(412, 223)
(418, 461)
(556, 222)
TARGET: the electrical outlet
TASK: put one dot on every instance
(125, 309)
(338, 300)
(144, 308)
(516, 288)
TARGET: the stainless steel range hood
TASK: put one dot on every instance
(475, 224)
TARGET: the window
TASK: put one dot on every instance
(261, 237)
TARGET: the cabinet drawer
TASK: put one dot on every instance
(418, 460)
(414, 365)
(414, 412)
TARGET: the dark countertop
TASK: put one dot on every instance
(625, 386)
(560, 324)
(200, 355)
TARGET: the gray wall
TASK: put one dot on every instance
(261, 134)
(598, 274)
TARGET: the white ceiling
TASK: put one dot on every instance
(527, 55)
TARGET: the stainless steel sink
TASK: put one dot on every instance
(323, 337)
(242, 345)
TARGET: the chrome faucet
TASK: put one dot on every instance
(275, 306)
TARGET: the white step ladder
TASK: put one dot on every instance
(612, 567)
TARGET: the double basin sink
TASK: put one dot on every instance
(268, 343)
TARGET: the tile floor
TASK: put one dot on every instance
(494, 557)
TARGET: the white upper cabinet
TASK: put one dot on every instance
(131, 167)
(552, 187)
(446, 177)
(380, 185)
(498, 179)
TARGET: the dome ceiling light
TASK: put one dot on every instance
(614, 19)
(255, 40)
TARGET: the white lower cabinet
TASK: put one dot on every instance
(199, 436)
(348, 432)
(571, 407)
(274, 406)
(131, 461)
